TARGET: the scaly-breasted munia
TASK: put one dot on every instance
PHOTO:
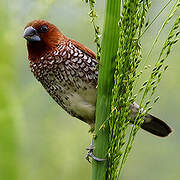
(68, 71)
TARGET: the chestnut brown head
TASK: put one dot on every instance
(41, 37)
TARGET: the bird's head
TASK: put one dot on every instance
(42, 37)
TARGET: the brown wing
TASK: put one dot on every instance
(84, 48)
(89, 64)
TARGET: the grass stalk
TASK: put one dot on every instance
(105, 84)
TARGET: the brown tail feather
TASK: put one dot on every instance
(151, 123)
(156, 126)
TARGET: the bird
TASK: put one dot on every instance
(68, 71)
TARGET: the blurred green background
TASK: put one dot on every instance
(39, 140)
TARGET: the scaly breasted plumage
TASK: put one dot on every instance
(68, 72)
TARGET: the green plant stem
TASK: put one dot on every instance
(105, 83)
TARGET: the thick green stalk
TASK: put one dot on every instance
(105, 84)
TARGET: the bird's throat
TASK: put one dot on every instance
(36, 50)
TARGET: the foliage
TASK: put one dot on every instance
(127, 62)
(8, 147)
(97, 32)
(131, 26)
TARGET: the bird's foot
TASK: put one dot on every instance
(91, 155)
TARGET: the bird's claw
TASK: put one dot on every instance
(90, 154)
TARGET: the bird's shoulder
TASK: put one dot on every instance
(83, 48)
(80, 59)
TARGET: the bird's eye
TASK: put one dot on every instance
(44, 28)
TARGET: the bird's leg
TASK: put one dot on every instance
(90, 153)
